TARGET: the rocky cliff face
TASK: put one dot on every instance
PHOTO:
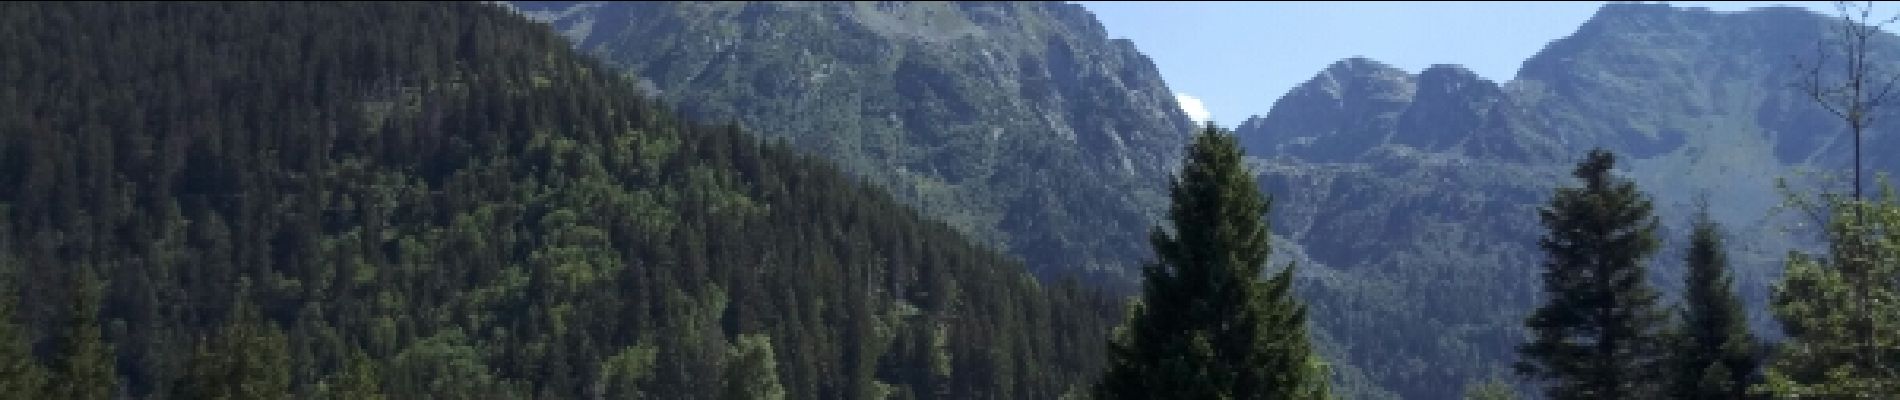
(1358, 105)
(1417, 194)
(1022, 124)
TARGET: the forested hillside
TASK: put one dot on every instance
(416, 200)
(1023, 124)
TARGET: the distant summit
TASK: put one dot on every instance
(1421, 190)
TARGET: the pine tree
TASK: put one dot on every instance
(1206, 326)
(84, 365)
(1598, 335)
(1714, 353)
(248, 359)
(1842, 312)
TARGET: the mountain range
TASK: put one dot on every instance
(1021, 123)
(1411, 198)
(1417, 193)
(809, 200)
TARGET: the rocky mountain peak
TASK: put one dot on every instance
(1698, 102)
(1360, 77)
(1021, 124)
(1451, 104)
(1441, 79)
(1347, 108)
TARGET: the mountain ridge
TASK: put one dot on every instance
(1012, 121)
(1437, 180)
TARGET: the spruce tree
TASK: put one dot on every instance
(1598, 336)
(1206, 326)
(84, 364)
(248, 359)
(1714, 353)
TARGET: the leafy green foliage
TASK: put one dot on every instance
(443, 200)
(446, 366)
(1841, 311)
(752, 370)
(1598, 336)
(1206, 327)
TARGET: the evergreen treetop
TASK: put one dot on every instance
(1598, 336)
(1715, 354)
(1206, 326)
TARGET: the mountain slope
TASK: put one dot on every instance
(1418, 192)
(1021, 124)
(447, 200)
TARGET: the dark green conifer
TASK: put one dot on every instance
(1206, 325)
(84, 364)
(248, 359)
(1598, 335)
(1714, 353)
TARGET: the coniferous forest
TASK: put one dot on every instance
(443, 200)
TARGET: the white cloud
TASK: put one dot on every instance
(1193, 107)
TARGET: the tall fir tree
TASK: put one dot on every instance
(1842, 311)
(1206, 326)
(1715, 356)
(84, 365)
(1599, 334)
(248, 359)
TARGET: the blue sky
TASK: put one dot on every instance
(1236, 58)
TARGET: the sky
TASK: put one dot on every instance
(1234, 59)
